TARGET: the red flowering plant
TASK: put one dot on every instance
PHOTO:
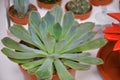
(112, 33)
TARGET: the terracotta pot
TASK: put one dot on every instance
(28, 76)
(47, 6)
(82, 16)
(22, 21)
(100, 2)
(110, 70)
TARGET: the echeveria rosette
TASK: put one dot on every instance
(112, 33)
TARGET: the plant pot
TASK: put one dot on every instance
(12, 13)
(110, 70)
(28, 76)
(100, 2)
(81, 16)
(47, 6)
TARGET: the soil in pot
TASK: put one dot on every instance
(81, 16)
(100, 2)
(20, 18)
(110, 70)
(47, 5)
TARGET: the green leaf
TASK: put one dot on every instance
(21, 61)
(67, 23)
(91, 60)
(62, 71)
(50, 20)
(33, 70)
(32, 64)
(36, 39)
(57, 13)
(76, 65)
(82, 39)
(92, 44)
(75, 56)
(21, 55)
(46, 70)
(34, 22)
(20, 32)
(57, 31)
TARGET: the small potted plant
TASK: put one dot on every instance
(110, 53)
(48, 4)
(81, 8)
(100, 2)
(53, 46)
(20, 11)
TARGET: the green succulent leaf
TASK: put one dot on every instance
(76, 65)
(91, 60)
(75, 56)
(19, 30)
(33, 70)
(62, 71)
(68, 20)
(45, 71)
(57, 13)
(21, 61)
(57, 31)
(32, 64)
(89, 45)
(21, 55)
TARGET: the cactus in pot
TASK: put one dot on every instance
(78, 6)
(53, 44)
(21, 6)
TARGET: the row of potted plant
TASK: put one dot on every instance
(20, 10)
(53, 46)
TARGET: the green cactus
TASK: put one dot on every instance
(21, 6)
(49, 1)
(78, 6)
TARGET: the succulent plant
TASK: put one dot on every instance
(49, 1)
(53, 44)
(78, 6)
(21, 6)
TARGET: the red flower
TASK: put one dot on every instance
(112, 33)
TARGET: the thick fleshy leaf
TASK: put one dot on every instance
(19, 30)
(50, 20)
(32, 64)
(33, 70)
(21, 55)
(67, 23)
(21, 61)
(34, 22)
(57, 31)
(76, 65)
(62, 71)
(74, 56)
(36, 39)
(46, 70)
(82, 39)
(91, 60)
(57, 13)
(89, 45)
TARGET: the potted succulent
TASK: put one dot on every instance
(81, 8)
(53, 44)
(48, 4)
(110, 53)
(20, 11)
(100, 2)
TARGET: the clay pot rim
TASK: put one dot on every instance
(8, 11)
(90, 10)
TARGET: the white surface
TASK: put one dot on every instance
(10, 70)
